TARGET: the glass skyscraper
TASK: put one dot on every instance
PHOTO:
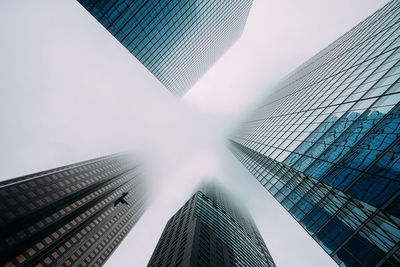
(211, 229)
(74, 215)
(326, 143)
(177, 40)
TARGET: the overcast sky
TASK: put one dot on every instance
(69, 92)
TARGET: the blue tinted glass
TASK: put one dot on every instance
(326, 241)
(333, 124)
(176, 40)
(362, 252)
(341, 177)
(344, 258)
(374, 189)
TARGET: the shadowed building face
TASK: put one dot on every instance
(178, 40)
(326, 143)
(211, 229)
(67, 216)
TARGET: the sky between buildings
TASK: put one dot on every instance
(70, 92)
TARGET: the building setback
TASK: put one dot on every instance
(326, 143)
(72, 215)
(211, 229)
(178, 40)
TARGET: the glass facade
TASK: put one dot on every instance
(326, 143)
(72, 215)
(177, 40)
(211, 230)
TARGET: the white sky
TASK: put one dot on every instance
(69, 92)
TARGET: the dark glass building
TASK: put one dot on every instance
(72, 215)
(211, 229)
(177, 40)
(326, 143)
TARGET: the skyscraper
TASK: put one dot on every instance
(179, 40)
(72, 215)
(211, 229)
(326, 143)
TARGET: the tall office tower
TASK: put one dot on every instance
(326, 143)
(178, 40)
(211, 229)
(72, 215)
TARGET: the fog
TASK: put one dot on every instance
(70, 92)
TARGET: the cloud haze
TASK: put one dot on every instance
(70, 92)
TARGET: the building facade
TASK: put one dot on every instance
(72, 215)
(211, 229)
(326, 143)
(178, 40)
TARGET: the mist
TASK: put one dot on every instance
(69, 91)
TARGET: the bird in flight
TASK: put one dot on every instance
(121, 200)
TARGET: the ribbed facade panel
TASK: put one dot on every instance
(70, 215)
(210, 230)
